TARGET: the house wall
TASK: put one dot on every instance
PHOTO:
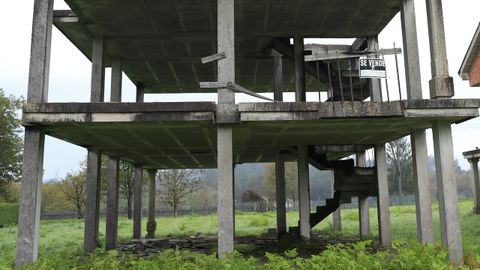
(475, 71)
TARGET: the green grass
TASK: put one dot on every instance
(8, 214)
(60, 239)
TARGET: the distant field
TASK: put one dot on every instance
(65, 238)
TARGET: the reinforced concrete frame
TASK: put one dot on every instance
(226, 116)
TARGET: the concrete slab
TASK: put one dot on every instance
(161, 42)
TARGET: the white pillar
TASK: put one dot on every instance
(303, 192)
(30, 196)
(447, 191)
(137, 202)
(111, 225)
(384, 231)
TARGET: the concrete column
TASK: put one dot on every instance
(111, 228)
(447, 191)
(226, 202)
(92, 204)
(303, 192)
(363, 207)
(140, 97)
(423, 201)
(410, 50)
(299, 48)
(280, 194)
(337, 220)
(384, 231)
(116, 85)
(137, 202)
(375, 84)
(226, 99)
(98, 70)
(441, 84)
(151, 224)
(277, 76)
(30, 196)
(476, 184)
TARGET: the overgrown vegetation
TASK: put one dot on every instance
(61, 244)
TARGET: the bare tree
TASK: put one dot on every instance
(174, 185)
(126, 172)
(73, 186)
(399, 157)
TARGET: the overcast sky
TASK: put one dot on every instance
(70, 71)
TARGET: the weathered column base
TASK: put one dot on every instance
(441, 87)
(364, 217)
(151, 228)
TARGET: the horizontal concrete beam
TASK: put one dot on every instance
(472, 154)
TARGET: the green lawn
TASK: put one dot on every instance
(66, 236)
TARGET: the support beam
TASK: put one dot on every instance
(363, 207)
(447, 191)
(226, 98)
(111, 228)
(300, 91)
(383, 204)
(441, 84)
(375, 84)
(151, 224)
(410, 47)
(280, 196)
(137, 202)
(303, 191)
(476, 184)
(116, 85)
(423, 200)
(337, 220)
(98, 70)
(32, 168)
(92, 204)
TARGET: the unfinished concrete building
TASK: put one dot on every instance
(242, 46)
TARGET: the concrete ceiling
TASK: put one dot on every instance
(161, 42)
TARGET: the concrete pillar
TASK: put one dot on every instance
(116, 85)
(337, 220)
(92, 188)
(363, 207)
(30, 196)
(476, 184)
(277, 76)
(423, 201)
(92, 204)
(447, 191)
(299, 48)
(418, 137)
(441, 84)
(303, 192)
(375, 84)
(137, 202)
(384, 231)
(280, 194)
(410, 50)
(151, 224)
(226, 98)
(111, 228)
(140, 97)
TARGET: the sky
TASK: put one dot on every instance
(70, 71)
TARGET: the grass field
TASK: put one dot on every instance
(65, 237)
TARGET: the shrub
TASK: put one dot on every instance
(8, 214)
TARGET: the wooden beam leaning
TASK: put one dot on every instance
(32, 168)
(213, 58)
(233, 87)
